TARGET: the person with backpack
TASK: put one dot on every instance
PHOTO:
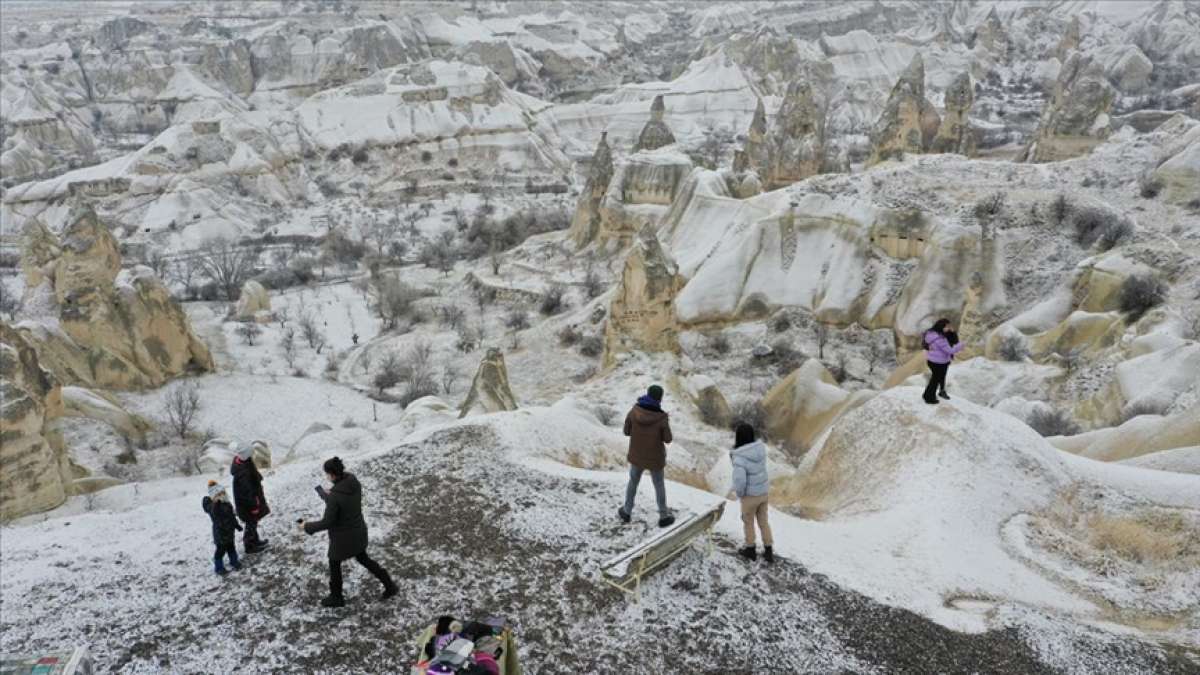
(939, 352)
(347, 529)
(248, 496)
(952, 340)
(224, 524)
(649, 432)
(750, 484)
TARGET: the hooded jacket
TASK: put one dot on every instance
(938, 348)
(649, 431)
(343, 518)
(224, 523)
(750, 469)
(248, 490)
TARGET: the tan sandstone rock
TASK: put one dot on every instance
(586, 223)
(120, 329)
(1075, 118)
(489, 390)
(36, 471)
(803, 404)
(1139, 436)
(954, 134)
(656, 133)
(796, 144)
(642, 314)
(908, 122)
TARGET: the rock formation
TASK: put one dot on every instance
(253, 300)
(120, 329)
(753, 154)
(656, 133)
(954, 134)
(991, 36)
(642, 314)
(36, 472)
(1070, 40)
(1179, 171)
(802, 405)
(908, 122)
(586, 223)
(1075, 118)
(489, 390)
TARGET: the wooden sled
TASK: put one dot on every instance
(627, 569)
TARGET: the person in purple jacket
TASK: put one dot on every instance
(938, 353)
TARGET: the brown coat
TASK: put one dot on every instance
(649, 431)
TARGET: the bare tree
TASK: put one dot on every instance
(389, 373)
(184, 273)
(822, 334)
(249, 330)
(227, 265)
(287, 345)
(450, 375)
(312, 334)
(180, 405)
(715, 144)
(379, 232)
(394, 300)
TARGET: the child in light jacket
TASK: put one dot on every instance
(750, 484)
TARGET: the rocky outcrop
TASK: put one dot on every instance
(117, 329)
(803, 405)
(252, 300)
(585, 225)
(1136, 437)
(954, 134)
(36, 471)
(796, 144)
(656, 133)
(991, 36)
(1179, 171)
(489, 390)
(642, 314)
(908, 122)
(1075, 118)
(752, 156)
(642, 188)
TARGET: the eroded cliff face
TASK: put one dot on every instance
(1075, 119)
(116, 329)
(642, 314)
(36, 471)
(909, 122)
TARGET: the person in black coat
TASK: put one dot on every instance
(224, 524)
(248, 497)
(343, 520)
(952, 338)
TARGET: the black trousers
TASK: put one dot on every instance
(335, 573)
(937, 379)
(250, 538)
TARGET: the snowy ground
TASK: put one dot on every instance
(466, 529)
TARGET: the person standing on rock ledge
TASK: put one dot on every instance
(347, 529)
(649, 432)
(939, 353)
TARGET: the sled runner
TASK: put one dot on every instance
(627, 570)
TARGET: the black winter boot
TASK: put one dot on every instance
(333, 601)
(942, 394)
(768, 554)
(748, 552)
(666, 521)
(622, 514)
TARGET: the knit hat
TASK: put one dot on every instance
(655, 392)
(243, 453)
(215, 488)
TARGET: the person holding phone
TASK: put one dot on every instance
(347, 529)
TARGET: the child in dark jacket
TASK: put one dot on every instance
(224, 524)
